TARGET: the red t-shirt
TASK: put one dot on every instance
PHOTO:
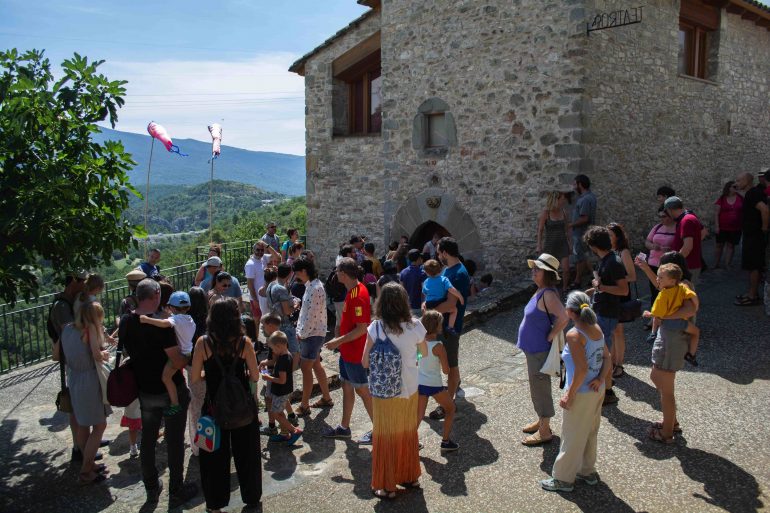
(689, 226)
(356, 310)
(730, 215)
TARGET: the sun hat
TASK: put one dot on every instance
(545, 262)
(136, 275)
(214, 261)
(179, 298)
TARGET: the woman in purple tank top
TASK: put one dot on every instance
(544, 317)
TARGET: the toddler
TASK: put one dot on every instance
(281, 386)
(184, 328)
(672, 294)
(436, 289)
(430, 382)
(271, 323)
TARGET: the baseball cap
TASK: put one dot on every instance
(179, 298)
(673, 202)
(214, 261)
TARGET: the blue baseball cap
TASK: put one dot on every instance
(179, 298)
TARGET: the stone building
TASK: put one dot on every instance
(456, 116)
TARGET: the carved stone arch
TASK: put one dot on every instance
(436, 205)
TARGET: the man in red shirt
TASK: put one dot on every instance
(687, 239)
(356, 315)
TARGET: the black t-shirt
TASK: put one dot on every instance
(282, 363)
(146, 345)
(752, 218)
(611, 270)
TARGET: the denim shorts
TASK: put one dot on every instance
(353, 373)
(278, 403)
(310, 348)
(291, 334)
(607, 325)
(429, 390)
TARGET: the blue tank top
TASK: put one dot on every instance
(535, 327)
(594, 352)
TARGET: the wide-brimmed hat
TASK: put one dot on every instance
(546, 262)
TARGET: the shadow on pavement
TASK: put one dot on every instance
(360, 464)
(320, 448)
(26, 471)
(477, 451)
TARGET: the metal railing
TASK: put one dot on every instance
(23, 327)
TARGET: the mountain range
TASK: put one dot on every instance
(274, 172)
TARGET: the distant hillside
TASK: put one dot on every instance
(184, 208)
(275, 172)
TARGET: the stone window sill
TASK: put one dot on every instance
(696, 79)
(357, 136)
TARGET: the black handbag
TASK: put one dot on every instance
(631, 310)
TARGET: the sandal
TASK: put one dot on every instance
(657, 435)
(302, 411)
(535, 439)
(322, 403)
(747, 301)
(384, 494)
(84, 480)
(531, 428)
(616, 374)
(412, 485)
(659, 425)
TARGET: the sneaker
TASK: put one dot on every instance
(450, 330)
(651, 337)
(449, 445)
(609, 398)
(181, 495)
(77, 456)
(133, 451)
(437, 414)
(268, 430)
(293, 419)
(277, 438)
(366, 439)
(554, 485)
(590, 479)
(293, 437)
(337, 432)
(104, 443)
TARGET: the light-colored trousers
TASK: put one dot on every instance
(580, 425)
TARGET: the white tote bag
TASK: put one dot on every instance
(552, 365)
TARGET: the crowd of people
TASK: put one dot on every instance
(206, 362)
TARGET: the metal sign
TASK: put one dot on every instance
(614, 19)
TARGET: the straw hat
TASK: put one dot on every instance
(546, 262)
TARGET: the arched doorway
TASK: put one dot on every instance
(424, 233)
(436, 209)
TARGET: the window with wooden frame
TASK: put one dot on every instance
(360, 70)
(698, 23)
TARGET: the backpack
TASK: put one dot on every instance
(384, 367)
(49, 325)
(233, 407)
(334, 288)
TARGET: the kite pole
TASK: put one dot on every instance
(147, 200)
(211, 202)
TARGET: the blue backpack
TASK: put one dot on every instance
(384, 367)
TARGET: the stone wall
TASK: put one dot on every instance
(508, 71)
(344, 174)
(646, 126)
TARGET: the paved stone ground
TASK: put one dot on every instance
(721, 463)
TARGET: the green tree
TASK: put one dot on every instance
(63, 194)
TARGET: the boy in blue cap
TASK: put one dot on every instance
(184, 328)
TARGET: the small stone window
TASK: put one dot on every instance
(433, 130)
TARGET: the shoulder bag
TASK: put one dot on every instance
(63, 400)
(632, 309)
(121, 383)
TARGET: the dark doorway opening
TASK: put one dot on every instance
(425, 232)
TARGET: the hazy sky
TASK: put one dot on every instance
(191, 63)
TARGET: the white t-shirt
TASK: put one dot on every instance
(406, 343)
(184, 327)
(255, 270)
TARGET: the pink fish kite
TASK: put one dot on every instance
(215, 129)
(156, 131)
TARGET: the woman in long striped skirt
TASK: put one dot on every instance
(395, 454)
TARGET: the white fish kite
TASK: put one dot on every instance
(215, 129)
(158, 132)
